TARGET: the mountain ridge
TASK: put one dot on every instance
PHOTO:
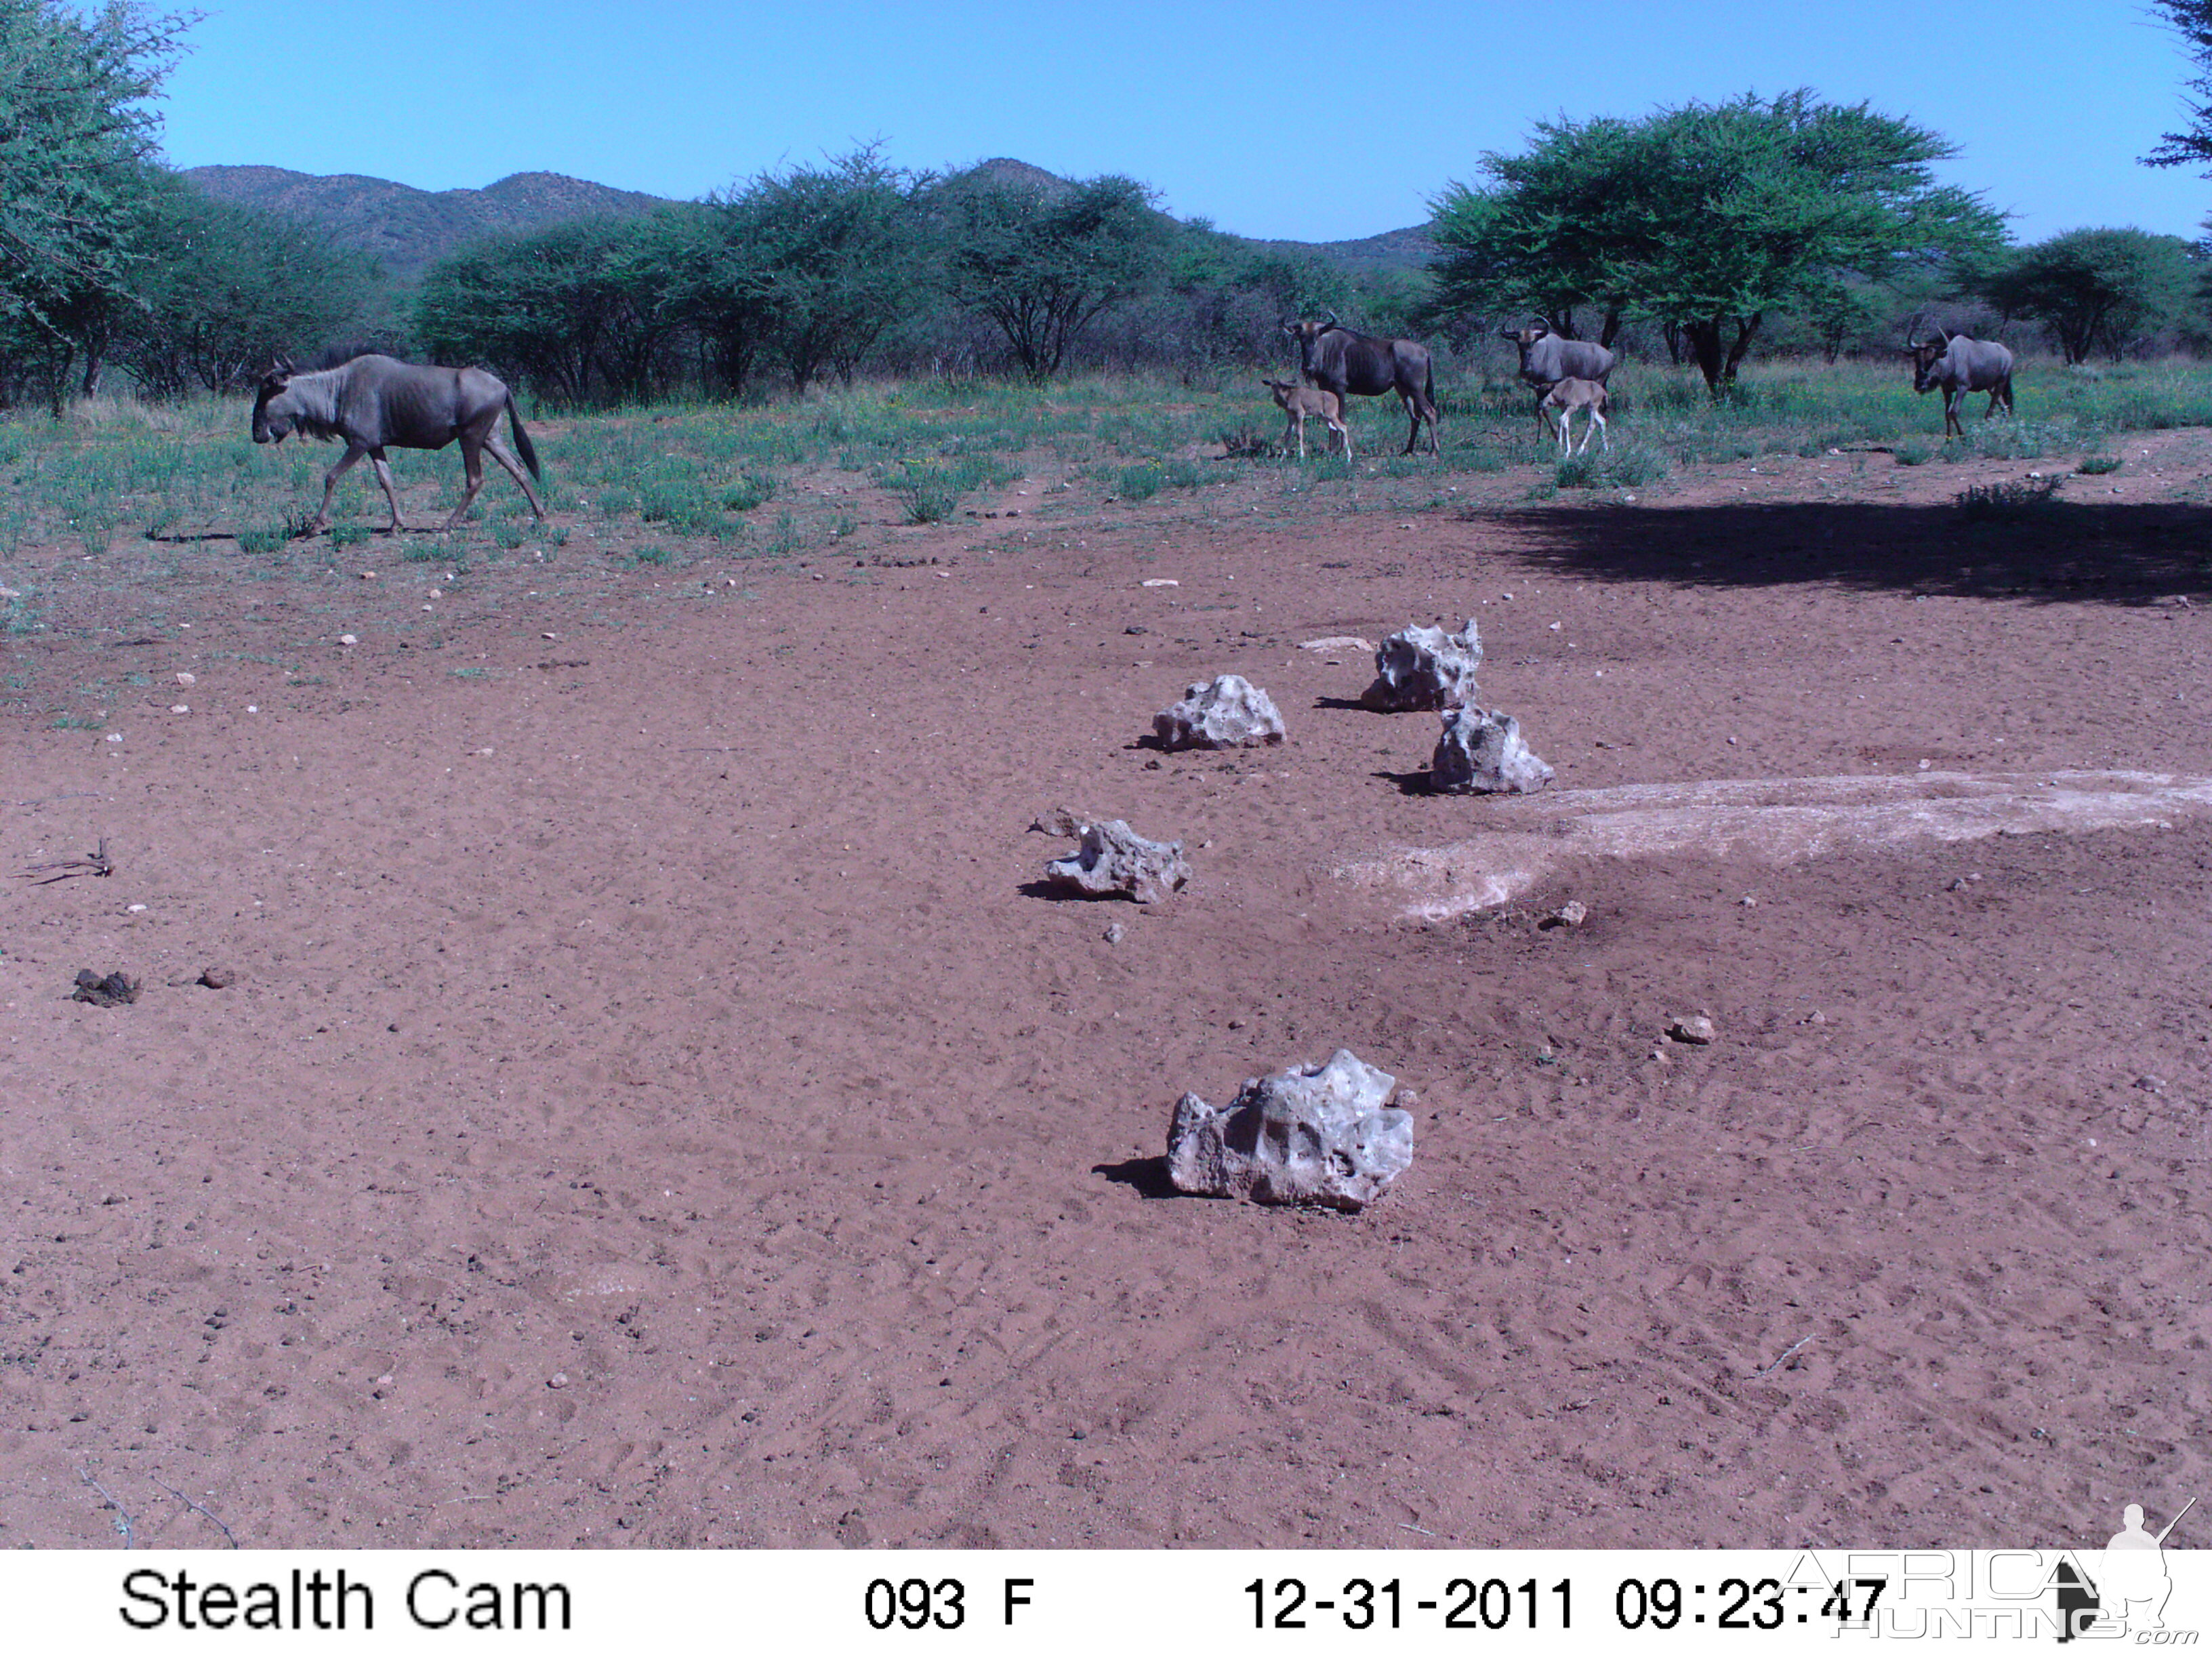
(408, 229)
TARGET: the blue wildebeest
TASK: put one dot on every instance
(1959, 366)
(373, 401)
(1547, 358)
(1335, 359)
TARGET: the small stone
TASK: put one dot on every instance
(348, 639)
(135, 909)
(1162, 582)
(368, 575)
(217, 977)
(1691, 1028)
(1334, 644)
(2151, 1086)
(1114, 859)
(558, 1380)
(1114, 933)
(1748, 902)
(1228, 712)
(1480, 751)
(1573, 913)
(1316, 1134)
(180, 708)
(187, 679)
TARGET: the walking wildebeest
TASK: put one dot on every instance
(1302, 402)
(1335, 359)
(1547, 358)
(373, 401)
(1567, 395)
(1959, 366)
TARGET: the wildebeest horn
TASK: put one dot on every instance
(283, 366)
(1332, 323)
(1945, 332)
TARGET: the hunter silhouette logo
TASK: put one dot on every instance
(2131, 1584)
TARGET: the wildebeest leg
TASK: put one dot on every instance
(1292, 423)
(1952, 401)
(1343, 432)
(2002, 389)
(354, 452)
(472, 469)
(499, 453)
(390, 492)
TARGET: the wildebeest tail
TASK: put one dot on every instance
(522, 444)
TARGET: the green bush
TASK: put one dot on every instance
(2096, 466)
(2008, 503)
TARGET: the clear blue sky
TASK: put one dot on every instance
(1293, 119)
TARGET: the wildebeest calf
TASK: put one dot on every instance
(1567, 395)
(1299, 403)
(373, 401)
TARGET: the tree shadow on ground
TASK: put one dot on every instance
(2038, 550)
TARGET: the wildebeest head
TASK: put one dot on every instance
(1928, 356)
(272, 421)
(1525, 337)
(1308, 333)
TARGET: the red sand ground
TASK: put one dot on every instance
(654, 1107)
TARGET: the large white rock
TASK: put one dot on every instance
(1115, 859)
(1316, 1134)
(1227, 712)
(1479, 752)
(1425, 668)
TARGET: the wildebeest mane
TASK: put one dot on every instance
(339, 356)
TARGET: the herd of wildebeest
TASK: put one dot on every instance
(371, 402)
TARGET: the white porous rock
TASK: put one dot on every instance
(1479, 752)
(1315, 1135)
(1115, 859)
(1228, 711)
(1425, 668)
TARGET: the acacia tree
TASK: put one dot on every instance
(1043, 260)
(1707, 218)
(76, 139)
(1533, 236)
(836, 257)
(223, 289)
(2096, 289)
(2192, 146)
(581, 311)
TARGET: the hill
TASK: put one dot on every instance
(410, 229)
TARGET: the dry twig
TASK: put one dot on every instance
(90, 864)
(1786, 1352)
(227, 1533)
